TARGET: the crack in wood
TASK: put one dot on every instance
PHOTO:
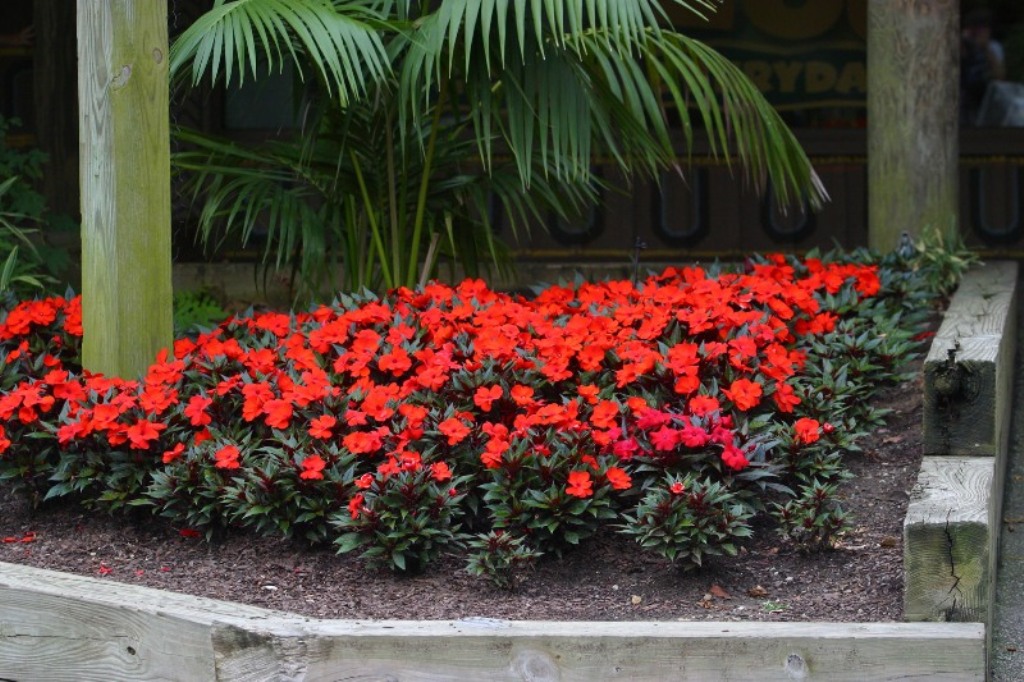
(952, 611)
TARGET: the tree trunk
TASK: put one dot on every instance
(125, 184)
(913, 118)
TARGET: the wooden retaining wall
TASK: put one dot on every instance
(57, 627)
(951, 531)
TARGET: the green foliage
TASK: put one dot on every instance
(499, 556)
(687, 519)
(940, 260)
(529, 497)
(195, 311)
(421, 122)
(28, 264)
(404, 522)
(813, 518)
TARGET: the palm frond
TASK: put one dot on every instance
(340, 41)
(737, 117)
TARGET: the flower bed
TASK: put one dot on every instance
(675, 411)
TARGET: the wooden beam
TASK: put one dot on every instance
(913, 118)
(949, 538)
(125, 184)
(968, 374)
(57, 626)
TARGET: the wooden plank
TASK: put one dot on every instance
(543, 651)
(949, 541)
(125, 184)
(58, 627)
(968, 373)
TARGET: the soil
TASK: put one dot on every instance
(609, 578)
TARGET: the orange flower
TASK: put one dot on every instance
(588, 392)
(580, 484)
(455, 430)
(397, 362)
(522, 395)
(321, 426)
(605, 413)
(785, 397)
(744, 393)
(701, 405)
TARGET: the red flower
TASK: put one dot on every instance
(227, 458)
(355, 505)
(522, 395)
(733, 457)
(313, 468)
(744, 393)
(677, 488)
(701, 405)
(321, 426)
(196, 410)
(173, 453)
(618, 478)
(279, 413)
(806, 430)
(142, 432)
(580, 484)
(364, 481)
(454, 429)
(484, 397)
(665, 439)
(362, 442)
(439, 471)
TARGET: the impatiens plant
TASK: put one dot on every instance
(674, 410)
(686, 519)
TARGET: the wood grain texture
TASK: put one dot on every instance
(981, 324)
(125, 184)
(58, 627)
(949, 541)
(913, 148)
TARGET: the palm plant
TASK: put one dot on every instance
(429, 116)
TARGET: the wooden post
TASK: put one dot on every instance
(913, 118)
(125, 184)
